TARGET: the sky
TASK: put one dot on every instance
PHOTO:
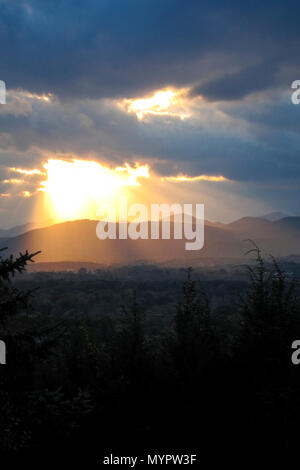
(197, 92)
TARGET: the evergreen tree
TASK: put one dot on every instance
(195, 344)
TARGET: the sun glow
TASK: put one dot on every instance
(76, 188)
(184, 178)
(25, 172)
(162, 102)
(12, 181)
(45, 97)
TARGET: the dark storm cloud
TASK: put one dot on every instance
(234, 86)
(113, 48)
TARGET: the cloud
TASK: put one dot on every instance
(68, 66)
(169, 102)
(25, 172)
(237, 85)
(121, 49)
(192, 179)
(241, 141)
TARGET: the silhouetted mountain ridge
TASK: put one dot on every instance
(76, 241)
(274, 216)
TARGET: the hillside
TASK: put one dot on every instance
(76, 241)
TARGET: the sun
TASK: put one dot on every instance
(76, 188)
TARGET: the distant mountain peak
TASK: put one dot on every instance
(274, 216)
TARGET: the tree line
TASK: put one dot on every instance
(83, 387)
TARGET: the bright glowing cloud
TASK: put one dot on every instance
(12, 181)
(76, 188)
(35, 96)
(25, 172)
(214, 178)
(162, 102)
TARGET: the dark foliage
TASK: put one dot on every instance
(32, 409)
(211, 380)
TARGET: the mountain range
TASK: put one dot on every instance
(76, 241)
(19, 229)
